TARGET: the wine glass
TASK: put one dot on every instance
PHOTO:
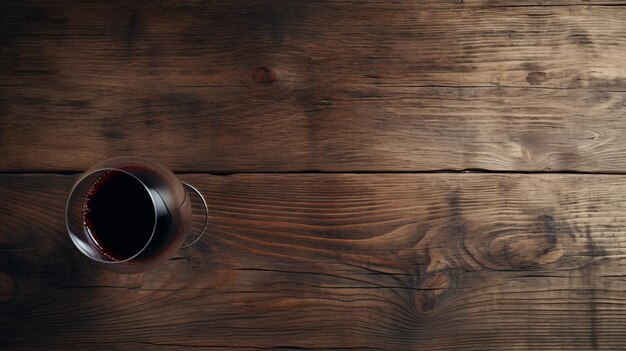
(130, 214)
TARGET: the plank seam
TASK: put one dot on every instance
(438, 171)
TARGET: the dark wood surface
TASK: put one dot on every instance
(412, 86)
(509, 256)
(330, 261)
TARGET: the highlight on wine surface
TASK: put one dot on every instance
(130, 214)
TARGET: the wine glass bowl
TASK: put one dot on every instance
(130, 214)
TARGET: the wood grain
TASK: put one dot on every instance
(341, 261)
(330, 86)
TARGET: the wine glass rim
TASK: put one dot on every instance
(71, 234)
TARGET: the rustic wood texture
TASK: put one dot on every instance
(331, 86)
(341, 261)
(388, 261)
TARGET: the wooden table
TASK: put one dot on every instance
(428, 175)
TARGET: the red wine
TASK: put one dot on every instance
(119, 214)
(129, 214)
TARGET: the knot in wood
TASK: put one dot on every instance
(264, 75)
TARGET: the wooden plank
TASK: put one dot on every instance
(313, 46)
(362, 129)
(378, 86)
(362, 261)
